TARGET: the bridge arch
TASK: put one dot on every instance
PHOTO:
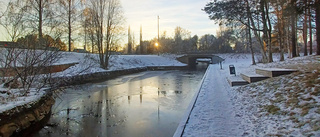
(191, 59)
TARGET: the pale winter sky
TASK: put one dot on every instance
(184, 13)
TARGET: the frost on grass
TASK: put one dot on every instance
(282, 106)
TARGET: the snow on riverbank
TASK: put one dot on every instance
(11, 98)
(282, 106)
(87, 63)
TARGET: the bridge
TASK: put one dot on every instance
(191, 59)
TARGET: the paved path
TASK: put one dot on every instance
(213, 113)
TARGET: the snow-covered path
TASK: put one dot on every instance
(213, 113)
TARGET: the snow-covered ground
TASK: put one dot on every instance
(282, 106)
(286, 105)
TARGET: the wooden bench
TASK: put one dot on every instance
(236, 81)
(253, 77)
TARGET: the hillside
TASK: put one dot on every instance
(285, 105)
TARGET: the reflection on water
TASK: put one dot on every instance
(145, 104)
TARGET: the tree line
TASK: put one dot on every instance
(247, 25)
(271, 23)
(98, 25)
(182, 42)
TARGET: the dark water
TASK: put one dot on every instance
(146, 104)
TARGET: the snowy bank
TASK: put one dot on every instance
(86, 69)
(89, 63)
(27, 116)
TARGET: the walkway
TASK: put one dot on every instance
(213, 112)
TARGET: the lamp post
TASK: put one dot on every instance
(158, 42)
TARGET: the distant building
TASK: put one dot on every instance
(80, 50)
(8, 44)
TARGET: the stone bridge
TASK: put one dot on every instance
(191, 59)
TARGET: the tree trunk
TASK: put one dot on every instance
(281, 36)
(92, 42)
(305, 31)
(280, 26)
(69, 24)
(310, 29)
(269, 29)
(85, 35)
(288, 37)
(40, 21)
(293, 29)
(250, 43)
(264, 56)
(317, 6)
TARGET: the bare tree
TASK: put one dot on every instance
(70, 14)
(88, 25)
(233, 11)
(108, 19)
(40, 16)
(13, 19)
(27, 68)
(255, 29)
(206, 42)
(179, 35)
(264, 9)
(249, 41)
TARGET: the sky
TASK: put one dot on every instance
(184, 13)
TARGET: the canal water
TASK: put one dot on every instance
(147, 104)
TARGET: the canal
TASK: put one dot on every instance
(149, 103)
